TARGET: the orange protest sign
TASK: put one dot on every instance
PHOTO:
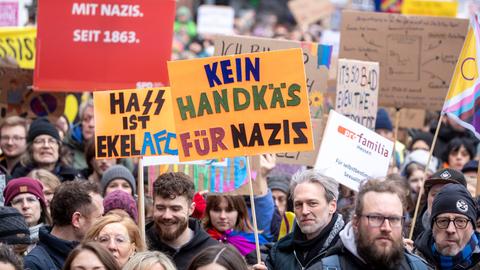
(136, 122)
(239, 105)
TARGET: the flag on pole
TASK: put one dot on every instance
(463, 99)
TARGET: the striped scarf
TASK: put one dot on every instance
(462, 258)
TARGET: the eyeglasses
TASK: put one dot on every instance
(378, 220)
(19, 201)
(13, 138)
(49, 141)
(458, 222)
(118, 239)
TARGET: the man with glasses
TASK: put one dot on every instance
(13, 143)
(373, 239)
(452, 242)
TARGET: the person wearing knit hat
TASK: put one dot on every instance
(421, 140)
(13, 228)
(43, 152)
(384, 128)
(122, 203)
(470, 172)
(280, 187)
(118, 177)
(26, 195)
(451, 242)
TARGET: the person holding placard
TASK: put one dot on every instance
(318, 224)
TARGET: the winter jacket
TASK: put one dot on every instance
(423, 248)
(348, 257)
(64, 173)
(185, 254)
(76, 143)
(50, 252)
(284, 256)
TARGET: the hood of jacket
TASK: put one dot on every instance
(348, 239)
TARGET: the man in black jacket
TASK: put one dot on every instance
(318, 224)
(373, 239)
(172, 231)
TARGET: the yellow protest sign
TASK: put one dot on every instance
(19, 43)
(240, 105)
(136, 122)
(430, 8)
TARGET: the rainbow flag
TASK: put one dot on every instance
(463, 99)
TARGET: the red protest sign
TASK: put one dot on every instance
(103, 44)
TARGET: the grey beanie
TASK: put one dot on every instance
(118, 172)
(280, 182)
(13, 228)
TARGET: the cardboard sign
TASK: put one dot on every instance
(240, 105)
(310, 11)
(317, 74)
(351, 153)
(103, 45)
(18, 43)
(215, 20)
(430, 8)
(357, 91)
(306, 158)
(417, 54)
(136, 122)
(409, 118)
(9, 13)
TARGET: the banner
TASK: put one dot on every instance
(18, 43)
(351, 153)
(240, 105)
(430, 8)
(417, 54)
(215, 20)
(136, 122)
(103, 45)
(9, 15)
(357, 91)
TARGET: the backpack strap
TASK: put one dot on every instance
(331, 263)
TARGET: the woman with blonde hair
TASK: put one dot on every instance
(119, 234)
(149, 260)
(50, 182)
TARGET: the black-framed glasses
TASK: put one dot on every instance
(378, 220)
(458, 222)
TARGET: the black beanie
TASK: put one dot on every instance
(454, 198)
(13, 228)
(41, 126)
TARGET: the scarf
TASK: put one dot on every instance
(244, 242)
(462, 258)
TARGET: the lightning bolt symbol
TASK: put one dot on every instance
(159, 101)
(146, 103)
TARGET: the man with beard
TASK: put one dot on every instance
(373, 239)
(172, 231)
(452, 242)
(318, 224)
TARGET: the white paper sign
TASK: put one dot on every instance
(215, 20)
(351, 153)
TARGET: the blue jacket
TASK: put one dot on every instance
(50, 252)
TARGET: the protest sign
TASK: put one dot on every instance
(228, 175)
(417, 54)
(240, 105)
(430, 8)
(215, 19)
(351, 153)
(9, 15)
(103, 45)
(357, 91)
(307, 158)
(316, 69)
(18, 43)
(409, 118)
(136, 122)
(310, 11)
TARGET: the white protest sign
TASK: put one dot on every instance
(357, 91)
(215, 20)
(351, 153)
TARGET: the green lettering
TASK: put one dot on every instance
(259, 97)
(295, 99)
(186, 108)
(221, 100)
(204, 105)
(277, 98)
(236, 99)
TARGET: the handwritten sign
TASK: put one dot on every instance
(417, 54)
(9, 13)
(348, 151)
(215, 19)
(228, 175)
(136, 122)
(19, 43)
(357, 91)
(317, 74)
(430, 8)
(240, 105)
(310, 11)
(103, 44)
